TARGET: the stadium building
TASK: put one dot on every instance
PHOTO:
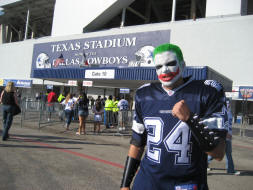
(105, 46)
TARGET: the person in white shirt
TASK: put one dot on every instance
(69, 103)
(98, 111)
(123, 107)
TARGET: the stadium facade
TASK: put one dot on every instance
(107, 44)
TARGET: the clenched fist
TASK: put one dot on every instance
(181, 111)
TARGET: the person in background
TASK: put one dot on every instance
(83, 112)
(37, 96)
(75, 109)
(8, 98)
(181, 121)
(44, 100)
(61, 97)
(69, 103)
(103, 104)
(229, 160)
(108, 111)
(115, 111)
(99, 98)
(130, 103)
(228, 151)
(61, 113)
(92, 101)
(51, 99)
(123, 109)
(98, 111)
(103, 101)
(19, 95)
(44, 96)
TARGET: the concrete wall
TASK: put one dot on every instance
(224, 44)
(16, 61)
(225, 7)
(70, 17)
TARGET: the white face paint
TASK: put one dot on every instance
(168, 68)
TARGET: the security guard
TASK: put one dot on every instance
(115, 111)
(108, 110)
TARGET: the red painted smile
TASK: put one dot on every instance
(168, 76)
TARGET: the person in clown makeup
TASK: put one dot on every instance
(178, 121)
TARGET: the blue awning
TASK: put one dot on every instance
(132, 73)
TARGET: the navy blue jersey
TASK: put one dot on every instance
(172, 156)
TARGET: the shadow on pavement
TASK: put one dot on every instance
(224, 172)
(43, 147)
(53, 140)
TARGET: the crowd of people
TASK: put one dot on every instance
(111, 111)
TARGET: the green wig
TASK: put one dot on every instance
(169, 47)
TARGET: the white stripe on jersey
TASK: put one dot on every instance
(144, 85)
(138, 127)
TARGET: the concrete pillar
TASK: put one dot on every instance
(27, 24)
(193, 9)
(3, 33)
(8, 34)
(123, 17)
(34, 32)
(173, 10)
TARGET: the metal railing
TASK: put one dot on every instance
(42, 114)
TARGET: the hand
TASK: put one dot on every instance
(125, 188)
(181, 111)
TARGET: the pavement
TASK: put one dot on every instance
(217, 177)
(241, 133)
(58, 128)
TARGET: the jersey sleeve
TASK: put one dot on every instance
(138, 128)
(215, 116)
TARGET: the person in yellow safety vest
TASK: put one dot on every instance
(115, 111)
(61, 112)
(60, 98)
(108, 111)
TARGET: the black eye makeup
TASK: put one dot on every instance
(158, 67)
(171, 63)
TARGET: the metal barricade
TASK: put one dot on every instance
(51, 113)
(40, 114)
(29, 111)
(125, 120)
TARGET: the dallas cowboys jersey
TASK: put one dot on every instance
(173, 159)
(123, 105)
